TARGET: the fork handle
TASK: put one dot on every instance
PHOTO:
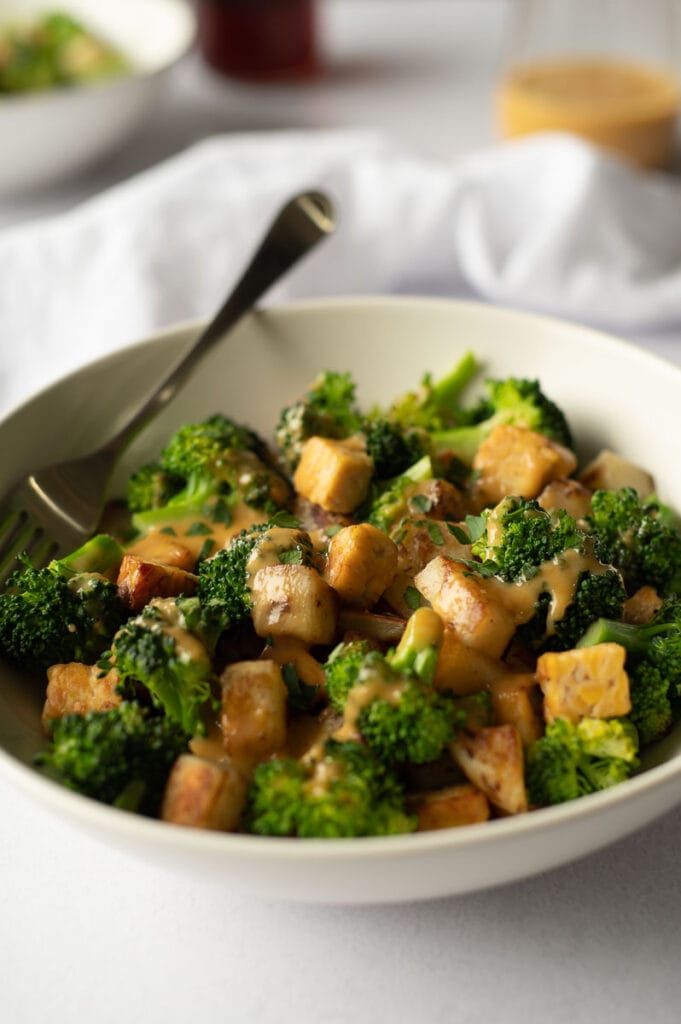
(299, 225)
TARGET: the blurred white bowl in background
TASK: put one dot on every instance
(47, 135)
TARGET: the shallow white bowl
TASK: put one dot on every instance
(615, 395)
(47, 135)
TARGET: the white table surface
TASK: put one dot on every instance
(89, 934)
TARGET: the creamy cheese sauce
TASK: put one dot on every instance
(193, 532)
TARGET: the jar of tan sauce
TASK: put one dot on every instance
(627, 108)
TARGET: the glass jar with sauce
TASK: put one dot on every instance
(259, 39)
(606, 70)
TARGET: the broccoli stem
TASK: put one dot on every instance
(446, 392)
(635, 638)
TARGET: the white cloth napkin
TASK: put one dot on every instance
(545, 222)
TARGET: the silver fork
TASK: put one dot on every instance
(55, 509)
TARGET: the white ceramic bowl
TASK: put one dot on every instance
(47, 135)
(616, 395)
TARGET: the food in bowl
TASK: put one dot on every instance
(55, 50)
(398, 619)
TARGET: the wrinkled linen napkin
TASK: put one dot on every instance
(546, 223)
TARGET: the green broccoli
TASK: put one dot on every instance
(68, 611)
(211, 466)
(392, 448)
(515, 401)
(326, 410)
(570, 761)
(390, 699)
(158, 650)
(435, 405)
(520, 542)
(389, 504)
(223, 587)
(638, 537)
(347, 792)
(122, 756)
(653, 665)
(151, 487)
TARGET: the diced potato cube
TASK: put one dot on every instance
(587, 682)
(163, 547)
(514, 460)
(293, 600)
(513, 704)
(610, 472)
(76, 689)
(361, 564)
(253, 717)
(570, 495)
(465, 605)
(202, 794)
(448, 808)
(141, 579)
(492, 759)
(462, 669)
(445, 501)
(334, 474)
(641, 606)
(419, 541)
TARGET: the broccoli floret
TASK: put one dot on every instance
(121, 756)
(68, 611)
(217, 464)
(157, 649)
(638, 538)
(514, 401)
(390, 700)
(223, 586)
(570, 761)
(342, 670)
(519, 542)
(520, 535)
(347, 792)
(151, 487)
(326, 410)
(436, 404)
(388, 505)
(653, 665)
(392, 448)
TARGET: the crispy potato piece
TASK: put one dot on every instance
(253, 716)
(451, 807)
(361, 564)
(492, 759)
(609, 472)
(587, 682)
(514, 460)
(293, 600)
(444, 499)
(419, 542)
(570, 495)
(641, 606)
(202, 794)
(513, 704)
(74, 688)
(466, 606)
(334, 474)
(141, 579)
(162, 547)
(464, 670)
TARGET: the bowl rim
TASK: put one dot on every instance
(89, 811)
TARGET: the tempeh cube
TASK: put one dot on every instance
(514, 460)
(451, 807)
(334, 474)
(253, 716)
(586, 682)
(76, 689)
(141, 579)
(293, 600)
(361, 564)
(203, 794)
(567, 494)
(464, 603)
(492, 759)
